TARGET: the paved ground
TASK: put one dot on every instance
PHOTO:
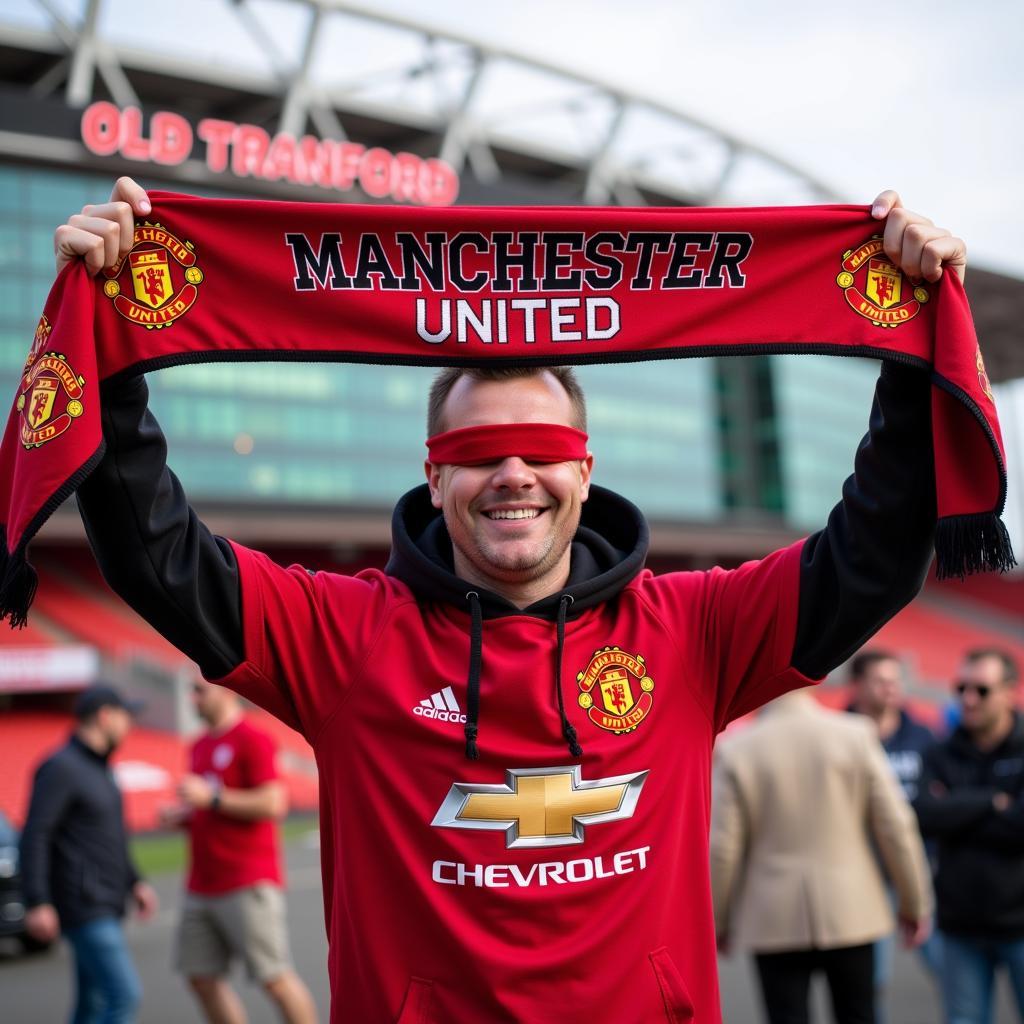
(36, 990)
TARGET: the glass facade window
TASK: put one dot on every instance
(748, 436)
(822, 407)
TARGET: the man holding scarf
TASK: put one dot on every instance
(539, 851)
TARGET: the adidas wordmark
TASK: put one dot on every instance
(442, 706)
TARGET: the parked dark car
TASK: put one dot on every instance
(12, 900)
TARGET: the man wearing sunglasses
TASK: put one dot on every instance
(971, 802)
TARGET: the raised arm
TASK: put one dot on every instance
(792, 617)
(872, 557)
(151, 546)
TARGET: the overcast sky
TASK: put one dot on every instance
(925, 97)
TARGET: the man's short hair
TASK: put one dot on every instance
(1011, 673)
(864, 660)
(447, 378)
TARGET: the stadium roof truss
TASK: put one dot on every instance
(344, 69)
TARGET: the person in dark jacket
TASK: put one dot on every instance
(971, 802)
(76, 869)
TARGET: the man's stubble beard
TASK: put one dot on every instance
(487, 559)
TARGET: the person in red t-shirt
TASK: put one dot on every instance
(230, 801)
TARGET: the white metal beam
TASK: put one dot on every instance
(83, 58)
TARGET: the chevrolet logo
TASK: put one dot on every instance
(540, 806)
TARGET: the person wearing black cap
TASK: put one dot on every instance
(77, 872)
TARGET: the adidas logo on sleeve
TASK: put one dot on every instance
(441, 705)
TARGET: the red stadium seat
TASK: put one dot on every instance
(96, 616)
(933, 641)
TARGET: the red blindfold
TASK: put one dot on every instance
(532, 442)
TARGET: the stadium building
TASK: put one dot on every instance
(328, 101)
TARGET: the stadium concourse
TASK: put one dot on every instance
(75, 609)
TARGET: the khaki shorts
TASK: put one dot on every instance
(247, 923)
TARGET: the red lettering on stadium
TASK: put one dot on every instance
(246, 150)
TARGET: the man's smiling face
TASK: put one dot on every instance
(511, 522)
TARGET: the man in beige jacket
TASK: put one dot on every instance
(804, 807)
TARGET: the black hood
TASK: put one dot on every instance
(609, 549)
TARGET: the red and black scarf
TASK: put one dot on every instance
(243, 280)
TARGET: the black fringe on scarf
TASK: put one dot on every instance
(972, 543)
(18, 582)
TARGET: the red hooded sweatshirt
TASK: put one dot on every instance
(528, 885)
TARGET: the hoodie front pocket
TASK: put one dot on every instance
(678, 1005)
(418, 1003)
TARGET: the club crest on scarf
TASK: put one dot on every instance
(616, 690)
(50, 397)
(157, 282)
(875, 289)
